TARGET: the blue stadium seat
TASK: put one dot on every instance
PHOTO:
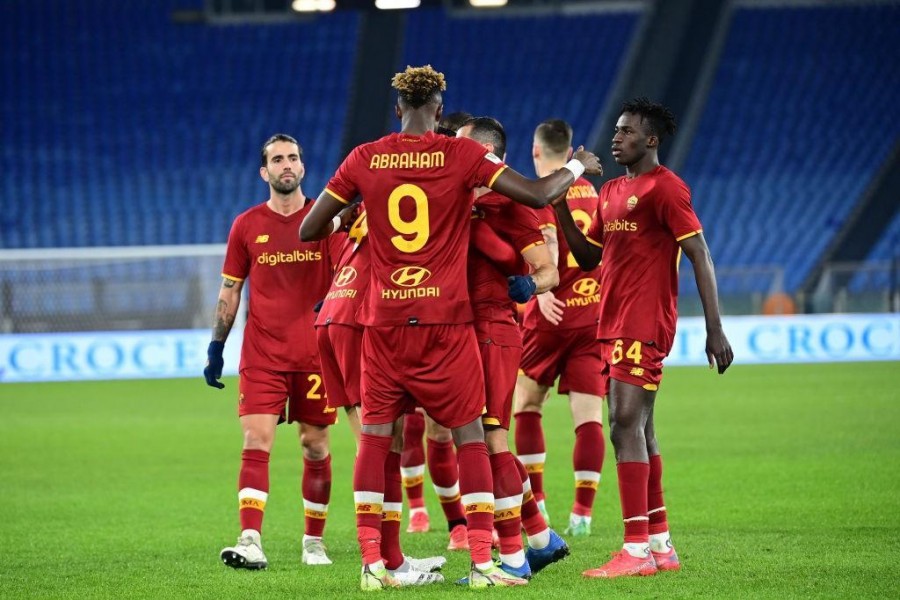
(784, 146)
(172, 118)
(522, 69)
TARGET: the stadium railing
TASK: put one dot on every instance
(134, 288)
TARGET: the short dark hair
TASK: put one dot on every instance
(455, 120)
(659, 119)
(278, 137)
(555, 135)
(488, 130)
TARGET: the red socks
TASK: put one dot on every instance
(532, 519)
(253, 488)
(412, 460)
(507, 501)
(316, 493)
(655, 504)
(442, 464)
(587, 459)
(368, 493)
(531, 450)
(633, 477)
(393, 508)
(476, 487)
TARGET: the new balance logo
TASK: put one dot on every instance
(637, 372)
(262, 239)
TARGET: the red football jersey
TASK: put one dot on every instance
(351, 279)
(579, 290)
(418, 197)
(488, 288)
(287, 278)
(639, 223)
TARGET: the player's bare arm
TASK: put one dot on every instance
(319, 223)
(551, 307)
(545, 273)
(551, 241)
(226, 311)
(718, 349)
(586, 254)
(226, 308)
(538, 193)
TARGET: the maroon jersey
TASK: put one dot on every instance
(579, 290)
(351, 279)
(418, 196)
(287, 278)
(488, 289)
(638, 224)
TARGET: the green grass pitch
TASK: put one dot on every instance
(781, 482)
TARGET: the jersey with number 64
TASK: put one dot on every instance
(417, 191)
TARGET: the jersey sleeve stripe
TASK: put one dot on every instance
(687, 235)
(598, 244)
(547, 226)
(337, 197)
(530, 246)
(231, 277)
(496, 175)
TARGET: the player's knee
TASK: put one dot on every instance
(585, 408)
(626, 435)
(468, 433)
(497, 440)
(529, 395)
(437, 433)
(315, 444)
(258, 439)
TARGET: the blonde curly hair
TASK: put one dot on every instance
(417, 86)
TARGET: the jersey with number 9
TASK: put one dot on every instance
(417, 191)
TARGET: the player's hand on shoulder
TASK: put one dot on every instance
(718, 350)
(521, 287)
(590, 161)
(214, 364)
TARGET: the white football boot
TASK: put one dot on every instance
(247, 553)
(314, 552)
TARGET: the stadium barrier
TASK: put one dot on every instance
(182, 353)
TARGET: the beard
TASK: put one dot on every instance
(284, 187)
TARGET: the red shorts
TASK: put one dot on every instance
(340, 348)
(573, 355)
(501, 352)
(632, 362)
(437, 367)
(293, 396)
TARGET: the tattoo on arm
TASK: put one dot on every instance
(228, 283)
(224, 321)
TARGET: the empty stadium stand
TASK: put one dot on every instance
(121, 127)
(523, 69)
(799, 118)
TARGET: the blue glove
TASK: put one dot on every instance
(521, 288)
(214, 364)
